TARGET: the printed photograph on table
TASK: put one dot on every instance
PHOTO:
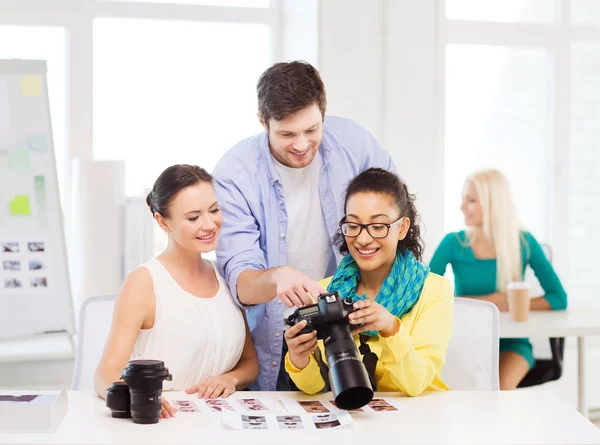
(324, 421)
(39, 282)
(23, 398)
(36, 265)
(381, 405)
(291, 425)
(252, 405)
(186, 406)
(254, 426)
(11, 265)
(313, 406)
(357, 410)
(36, 246)
(10, 247)
(290, 422)
(253, 418)
(12, 283)
(218, 405)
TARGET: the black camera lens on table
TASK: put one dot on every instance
(118, 400)
(143, 379)
(348, 376)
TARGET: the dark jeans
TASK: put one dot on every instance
(284, 382)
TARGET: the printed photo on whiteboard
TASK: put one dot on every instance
(12, 283)
(10, 247)
(11, 265)
(313, 406)
(36, 247)
(22, 398)
(36, 265)
(39, 282)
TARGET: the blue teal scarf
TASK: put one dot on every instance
(399, 291)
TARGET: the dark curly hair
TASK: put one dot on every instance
(170, 182)
(377, 180)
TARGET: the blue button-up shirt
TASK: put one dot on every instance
(253, 235)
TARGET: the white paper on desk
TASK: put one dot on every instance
(239, 404)
(284, 421)
(308, 406)
(319, 406)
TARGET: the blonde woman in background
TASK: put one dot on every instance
(494, 250)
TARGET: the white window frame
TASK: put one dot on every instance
(557, 38)
(77, 18)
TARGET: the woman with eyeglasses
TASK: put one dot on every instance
(403, 312)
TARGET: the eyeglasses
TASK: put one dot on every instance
(375, 230)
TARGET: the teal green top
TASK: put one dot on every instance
(474, 277)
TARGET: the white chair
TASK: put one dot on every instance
(472, 356)
(95, 318)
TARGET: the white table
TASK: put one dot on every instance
(495, 417)
(575, 322)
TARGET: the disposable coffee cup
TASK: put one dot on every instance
(518, 300)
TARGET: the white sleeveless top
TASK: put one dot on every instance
(195, 337)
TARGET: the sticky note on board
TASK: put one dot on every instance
(20, 205)
(31, 85)
(18, 158)
(38, 143)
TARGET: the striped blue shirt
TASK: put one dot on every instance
(253, 235)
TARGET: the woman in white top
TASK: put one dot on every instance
(177, 307)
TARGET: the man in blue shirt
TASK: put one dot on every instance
(281, 193)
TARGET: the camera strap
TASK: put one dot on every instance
(369, 360)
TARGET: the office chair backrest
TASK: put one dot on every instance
(94, 325)
(472, 356)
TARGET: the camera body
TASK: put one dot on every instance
(347, 375)
(330, 309)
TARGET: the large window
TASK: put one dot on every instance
(499, 114)
(522, 94)
(170, 92)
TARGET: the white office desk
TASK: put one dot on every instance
(516, 417)
(575, 322)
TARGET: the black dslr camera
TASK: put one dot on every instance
(348, 376)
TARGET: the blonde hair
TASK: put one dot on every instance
(501, 224)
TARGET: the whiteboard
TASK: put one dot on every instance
(35, 293)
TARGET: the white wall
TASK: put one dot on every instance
(381, 66)
(378, 59)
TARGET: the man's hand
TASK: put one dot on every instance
(293, 287)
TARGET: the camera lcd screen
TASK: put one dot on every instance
(307, 310)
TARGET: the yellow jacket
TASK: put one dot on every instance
(411, 360)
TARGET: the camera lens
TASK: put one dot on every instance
(117, 400)
(144, 378)
(348, 376)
